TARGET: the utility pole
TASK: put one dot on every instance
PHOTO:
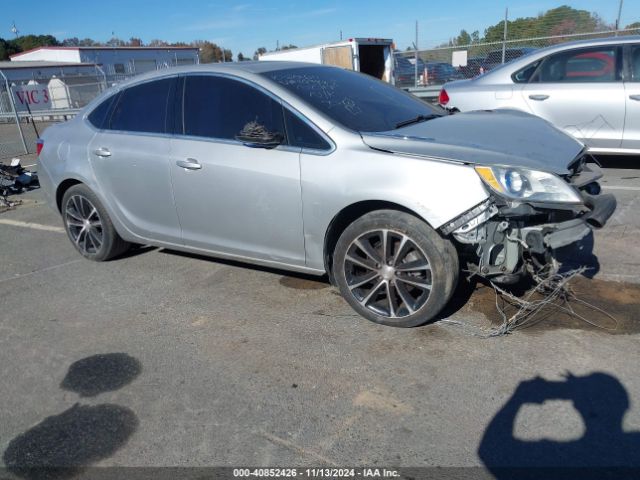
(504, 35)
(618, 19)
(14, 29)
(415, 67)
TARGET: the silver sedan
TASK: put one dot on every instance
(590, 89)
(320, 170)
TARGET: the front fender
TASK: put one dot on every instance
(436, 191)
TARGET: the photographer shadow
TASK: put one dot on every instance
(604, 451)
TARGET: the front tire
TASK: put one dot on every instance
(394, 269)
(88, 225)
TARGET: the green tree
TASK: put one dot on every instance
(258, 52)
(71, 42)
(29, 42)
(88, 42)
(463, 39)
(7, 48)
(116, 42)
(288, 47)
(158, 43)
(558, 21)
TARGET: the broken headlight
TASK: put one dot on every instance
(527, 185)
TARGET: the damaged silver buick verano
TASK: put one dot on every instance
(321, 170)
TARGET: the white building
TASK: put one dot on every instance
(115, 61)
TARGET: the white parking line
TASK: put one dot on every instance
(45, 269)
(33, 226)
(619, 187)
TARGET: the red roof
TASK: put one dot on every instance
(102, 48)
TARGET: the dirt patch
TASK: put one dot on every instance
(299, 283)
(620, 300)
(382, 401)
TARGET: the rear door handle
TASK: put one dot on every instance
(189, 163)
(635, 97)
(102, 152)
(538, 98)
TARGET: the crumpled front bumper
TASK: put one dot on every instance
(566, 233)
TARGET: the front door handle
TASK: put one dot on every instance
(538, 98)
(635, 97)
(189, 163)
(102, 152)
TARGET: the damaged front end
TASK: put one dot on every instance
(528, 215)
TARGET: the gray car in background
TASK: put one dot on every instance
(321, 170)
(590, 89)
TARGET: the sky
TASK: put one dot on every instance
(245, 25)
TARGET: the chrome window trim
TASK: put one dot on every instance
(284, 104)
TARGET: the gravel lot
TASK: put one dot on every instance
(169, 359)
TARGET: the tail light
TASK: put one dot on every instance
(443, 98)
(39, 145)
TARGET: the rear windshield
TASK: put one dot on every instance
(355, 101)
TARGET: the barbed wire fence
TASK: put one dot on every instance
(471, 54)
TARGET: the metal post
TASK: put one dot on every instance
(15, 112)
(504, 35)
(415, 67)
(618, 19)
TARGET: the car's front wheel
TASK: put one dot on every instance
(394, 269)
(88, 225)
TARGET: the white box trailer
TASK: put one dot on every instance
(373, 56)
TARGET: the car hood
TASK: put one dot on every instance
(495, 137)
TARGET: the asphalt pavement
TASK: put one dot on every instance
(167, 359)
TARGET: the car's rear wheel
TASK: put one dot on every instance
(88, 225)
(394, 269)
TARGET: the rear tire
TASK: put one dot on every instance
(394, 269)
(88, 225)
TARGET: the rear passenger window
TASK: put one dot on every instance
(300, 134)
(98, 116)
(586, 65)
(142, 108)
(219, 107)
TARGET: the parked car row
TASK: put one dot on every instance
(589, 89)
(437, 73)
(429, 73)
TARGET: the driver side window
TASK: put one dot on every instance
(220, 107)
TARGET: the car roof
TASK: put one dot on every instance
(239, 68)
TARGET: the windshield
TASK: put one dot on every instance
(355, 101)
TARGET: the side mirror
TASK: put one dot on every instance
(255, 135)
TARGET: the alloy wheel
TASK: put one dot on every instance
(84, 224)
(388, 273)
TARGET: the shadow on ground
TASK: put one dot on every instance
(604, 451)
(62, 445)
(101, 373)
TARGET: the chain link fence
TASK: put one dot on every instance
(29, 103)
(469, 55)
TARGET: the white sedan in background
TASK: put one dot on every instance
(589, 89)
